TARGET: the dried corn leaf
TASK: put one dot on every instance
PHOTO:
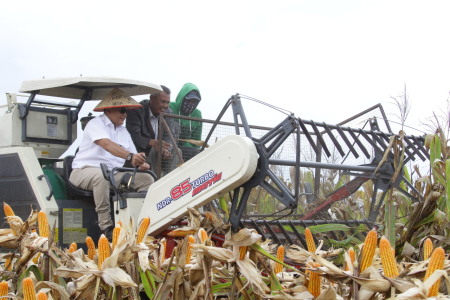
(117, 277)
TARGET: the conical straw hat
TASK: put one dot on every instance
(117, 98)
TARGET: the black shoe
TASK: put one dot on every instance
(108, 232)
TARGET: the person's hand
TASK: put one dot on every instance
(157, 145)
(144, 167)
(138, 159)
(166, 154)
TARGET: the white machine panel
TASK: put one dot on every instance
(218, 169)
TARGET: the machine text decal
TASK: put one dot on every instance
(196, 186)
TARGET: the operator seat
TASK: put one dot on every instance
(73, 190)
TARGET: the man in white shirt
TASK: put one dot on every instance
(106, 140)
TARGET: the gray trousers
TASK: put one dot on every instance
(91, 179)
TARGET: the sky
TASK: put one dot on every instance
(322, 60)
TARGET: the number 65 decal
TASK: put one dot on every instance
(180, 190)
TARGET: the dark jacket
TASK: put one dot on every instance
(140, 129)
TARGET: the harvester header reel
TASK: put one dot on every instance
(323, 139)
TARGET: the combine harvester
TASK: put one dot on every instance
(37, 133)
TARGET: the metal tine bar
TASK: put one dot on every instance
(286, 234)
(420, 146)
(272, 233)
(282, 134)
(413, 147)
(347, 141)
(308, 136)
(378, 140)
(311, 222)
(334, 140)
(320, 139)
(371, 142)
(256, 226)
(272, 133)
(358, 142)
(298, 235)
(408, 152)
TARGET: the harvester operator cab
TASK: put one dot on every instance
(38, 128)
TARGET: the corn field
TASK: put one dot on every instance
(406, 257)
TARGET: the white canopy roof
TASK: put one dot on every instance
(75, 87)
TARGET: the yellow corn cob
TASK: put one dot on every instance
(436, 262)
(41, 296)
(115, 237)
(351, 254)
(8, 210)
(242, 252)
(90, 247)
(163, 251)
(8, 263)
(142, 230)
(209, 216)
(280, 255)
(103, 250)
(368, 250)
(180, 233)
(310, 244)
(314, 282)
(36, 258)
(427, 248)
(3, 288)
(43, 224)
(73, 247)
(191, 241)
(203, 235)
(29, 293)
(388, 259)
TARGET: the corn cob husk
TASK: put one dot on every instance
(280, 255)
(8, 210)
(310, 244)
(427, 248)
(142, 231)
(4, 289)
(44, 229)
(388, 262)
(314, 281)
(191, 241)
(103, 250)
(41, 296)
(90, 247)
(29, 293)
(436, 262)
(368, 250)
(115, 236)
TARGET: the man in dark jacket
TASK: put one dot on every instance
(144, 127)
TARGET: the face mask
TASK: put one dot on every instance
(188, 106)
